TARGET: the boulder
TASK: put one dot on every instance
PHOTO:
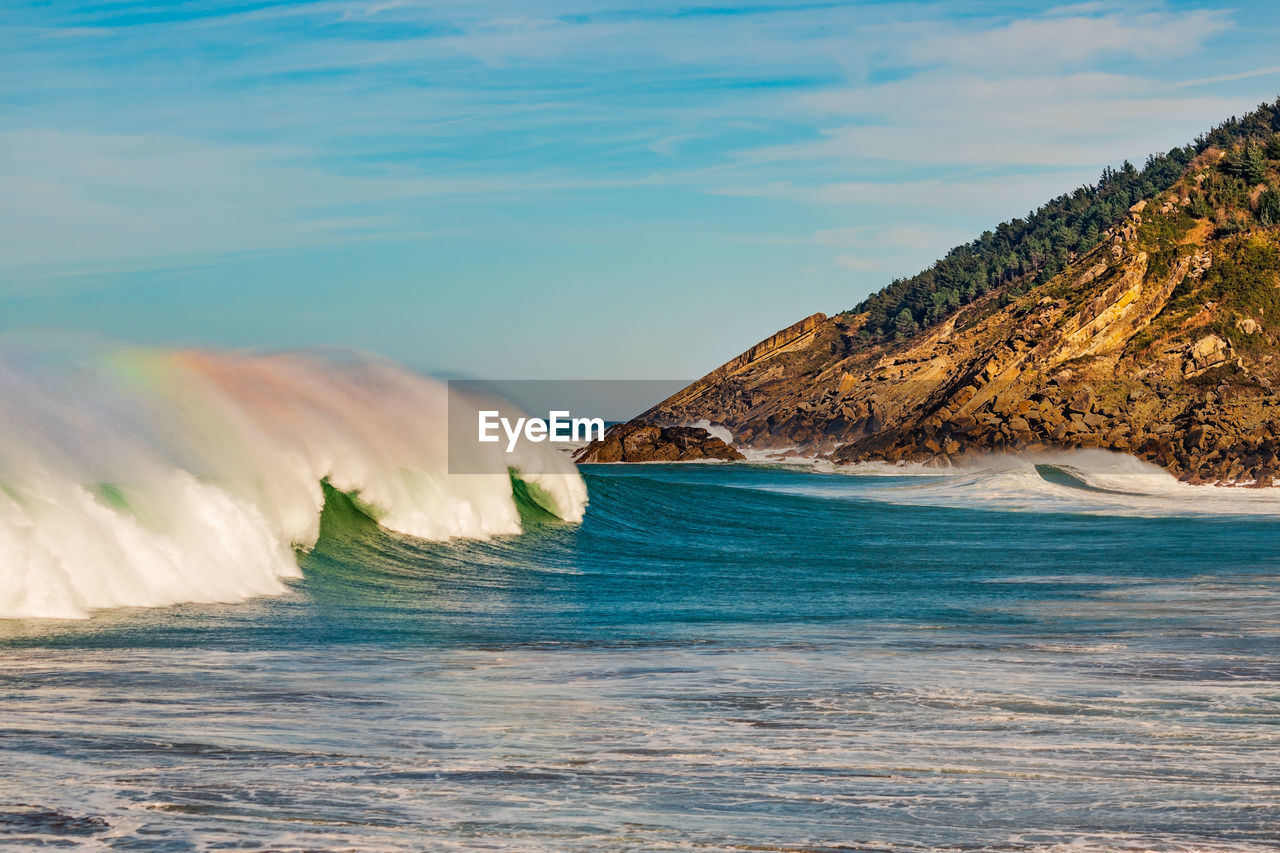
(1208, 352)
(1081, 402)
(640, 442)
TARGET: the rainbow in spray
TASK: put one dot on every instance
(139, 477)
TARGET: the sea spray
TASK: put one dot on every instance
(136, 477)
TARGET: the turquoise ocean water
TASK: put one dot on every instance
(737, 658)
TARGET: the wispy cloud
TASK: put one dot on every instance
(135, 133)
(1265, 71)
(858, 263)
(86, 200)
(1069, 38)
(907, 198)
(882, 237)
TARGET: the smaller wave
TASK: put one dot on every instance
(1080, 481)
(1066, 475)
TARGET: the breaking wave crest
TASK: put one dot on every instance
(132, 477)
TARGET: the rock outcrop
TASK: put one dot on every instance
(638, 442)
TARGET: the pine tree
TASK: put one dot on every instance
(1255, 165)
(905, 323)
(1269, 207)
(1248, 164)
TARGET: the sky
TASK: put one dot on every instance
(557, 190)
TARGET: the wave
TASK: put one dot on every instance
(1074, 481)
(138, 477)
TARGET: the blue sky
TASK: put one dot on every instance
(572, 189)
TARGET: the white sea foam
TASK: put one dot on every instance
(897, 469)
(144, 478)
(1078, 481)
(719, 431)
(791, 456)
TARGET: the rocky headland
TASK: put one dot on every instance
(1157, 337)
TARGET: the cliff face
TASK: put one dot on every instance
(793, 338)
(1161, 342)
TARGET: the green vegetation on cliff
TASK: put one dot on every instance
(1023, 253)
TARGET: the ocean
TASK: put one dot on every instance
(1066, 654)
